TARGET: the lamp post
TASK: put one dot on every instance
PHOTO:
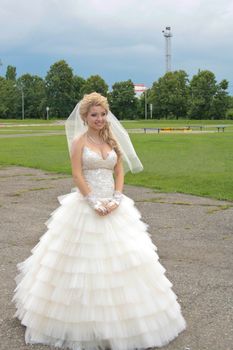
(151, 110)
(47, 112)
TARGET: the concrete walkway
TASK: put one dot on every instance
(193, 236)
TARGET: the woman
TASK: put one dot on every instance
(94, 281)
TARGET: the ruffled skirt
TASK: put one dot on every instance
(95, 282)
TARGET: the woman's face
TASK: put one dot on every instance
(96, 117)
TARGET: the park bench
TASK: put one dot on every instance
(221, 127)
(195, 126)
(188, 127)
(145, 129)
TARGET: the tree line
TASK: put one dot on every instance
(171, 96)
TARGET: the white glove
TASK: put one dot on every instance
(94, 202)
(116, 199)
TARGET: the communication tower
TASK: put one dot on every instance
(167, 34)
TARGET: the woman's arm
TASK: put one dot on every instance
(76, 165)
(119, 175)
(119, 183)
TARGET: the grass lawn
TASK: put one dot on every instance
(150, 123)
(27, 121)
(26, 126)
(31, 130)
(127, 123)
(200, 164)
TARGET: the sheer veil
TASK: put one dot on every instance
(75, 127)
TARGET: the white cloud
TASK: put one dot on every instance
(125, 30)
(135, 19)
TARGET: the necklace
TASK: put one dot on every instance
(97, 143)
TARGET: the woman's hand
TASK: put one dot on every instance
(106, 208)
(113, 203)
(111, 206)
(101, 210)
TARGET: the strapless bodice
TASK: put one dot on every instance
(98, 172)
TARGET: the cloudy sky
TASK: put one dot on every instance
(117, 39)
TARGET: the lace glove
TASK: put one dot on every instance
(116, 199)
(94, 202)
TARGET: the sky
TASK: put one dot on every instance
(117, 39)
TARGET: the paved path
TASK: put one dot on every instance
(193, 235)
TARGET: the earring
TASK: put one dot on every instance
(84, 122)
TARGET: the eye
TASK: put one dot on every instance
(93, 114)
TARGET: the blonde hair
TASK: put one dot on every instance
(96, 99)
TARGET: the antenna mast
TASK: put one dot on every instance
(167, 34)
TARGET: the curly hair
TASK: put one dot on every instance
(96, 99)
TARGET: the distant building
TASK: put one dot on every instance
(139, 89)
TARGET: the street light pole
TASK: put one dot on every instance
(47, 115)
(151, 110)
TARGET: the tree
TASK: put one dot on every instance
(59, 89)
(78, 84)
(11, 73)
(203, 88)
(140, 112)
(123, 100)
(230, 101)
(34, 95)
(169, 95)
(10, 99)
(221, 101)
(95, 84)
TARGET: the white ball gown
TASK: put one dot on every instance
(95, 282)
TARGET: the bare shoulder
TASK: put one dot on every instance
(78, 143)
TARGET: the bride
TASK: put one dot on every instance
(93, 281)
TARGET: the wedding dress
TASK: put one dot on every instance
(95, 282)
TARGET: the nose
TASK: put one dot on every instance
(100, 117)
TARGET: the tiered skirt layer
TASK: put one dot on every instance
(96, 282)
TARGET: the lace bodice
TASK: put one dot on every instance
(98, 172)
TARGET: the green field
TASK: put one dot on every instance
(31, 130)
(26, 121)
(172, 122)
(127, 123)
(28, 126)
(200, 164)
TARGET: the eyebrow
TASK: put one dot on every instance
(96, 113)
